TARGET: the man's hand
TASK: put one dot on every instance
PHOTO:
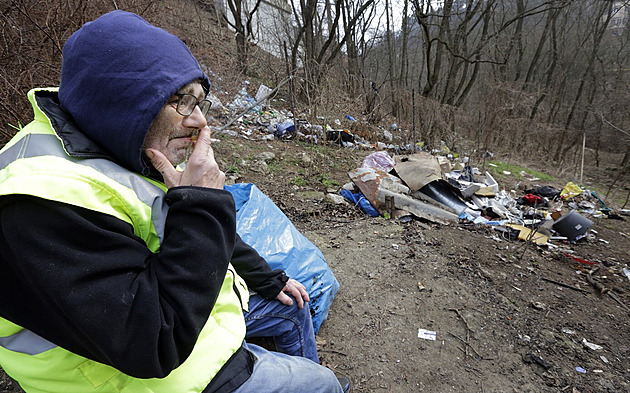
(297, 290)
(201, 169)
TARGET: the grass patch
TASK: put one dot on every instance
(233, 169)
(280, 166)
(275, 167)
(327, 182)
(299, 181)
(516, 170)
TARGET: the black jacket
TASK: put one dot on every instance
(84, 281)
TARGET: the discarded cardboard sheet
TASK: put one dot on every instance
(418, 170)
(486, 191)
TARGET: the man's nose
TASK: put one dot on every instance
(196, 119)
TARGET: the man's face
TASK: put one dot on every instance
(170, 133)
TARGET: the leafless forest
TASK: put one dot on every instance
(525, 79)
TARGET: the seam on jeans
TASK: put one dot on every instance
(283, 316)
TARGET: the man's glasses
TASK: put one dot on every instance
(186, 104)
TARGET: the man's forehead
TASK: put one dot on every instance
(193, 88)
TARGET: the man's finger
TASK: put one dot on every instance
(285, 299)
(164, 166)
(304, 294)
(298, 297)
(295, 291)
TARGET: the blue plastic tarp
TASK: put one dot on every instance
(262, 225)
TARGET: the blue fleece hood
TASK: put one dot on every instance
(118, 71)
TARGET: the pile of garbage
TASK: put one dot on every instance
(446, 191)
(428, 185)
(254, 118)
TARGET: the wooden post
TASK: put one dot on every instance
(583, 150)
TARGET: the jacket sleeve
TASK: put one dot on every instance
(84, 281)
(256, 272)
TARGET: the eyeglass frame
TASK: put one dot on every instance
(198, 103)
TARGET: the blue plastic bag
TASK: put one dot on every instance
(285, 127)
(262, 225)
(360, 200)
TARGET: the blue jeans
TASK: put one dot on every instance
(279, 373)
(290, 326)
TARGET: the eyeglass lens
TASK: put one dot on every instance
(187, 102)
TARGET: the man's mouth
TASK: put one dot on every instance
(192, 137)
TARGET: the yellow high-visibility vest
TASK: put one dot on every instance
(35, 163)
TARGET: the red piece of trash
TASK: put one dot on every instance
(579, 259)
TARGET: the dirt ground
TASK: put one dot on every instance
(508, 316)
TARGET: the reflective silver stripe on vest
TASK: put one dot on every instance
(34, 145)
(26, 342)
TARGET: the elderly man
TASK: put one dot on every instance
(119, 272)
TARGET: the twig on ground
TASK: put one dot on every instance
(468, 329)
(601, 289)
(615, 298)
(457, 310)
(467, 345)
(565, 285)
(332, 351)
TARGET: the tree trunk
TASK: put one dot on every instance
(597, 39)
(391, 65)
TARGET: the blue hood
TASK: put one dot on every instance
(118, 72)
